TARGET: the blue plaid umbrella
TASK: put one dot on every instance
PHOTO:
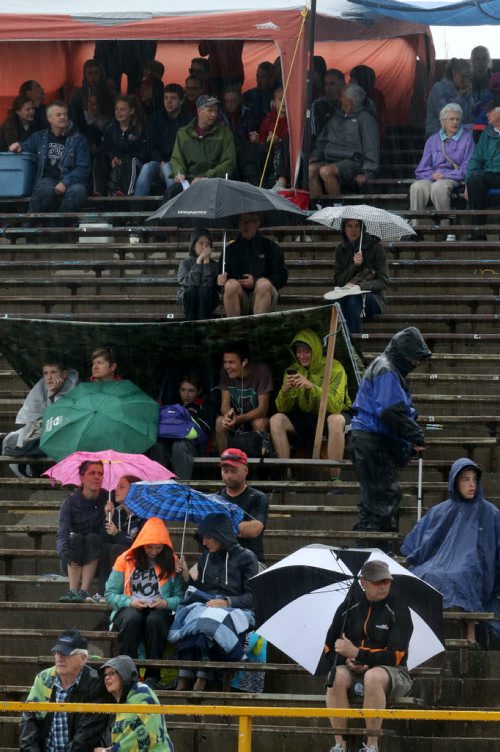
(173, 501)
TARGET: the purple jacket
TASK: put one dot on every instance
(433, 159)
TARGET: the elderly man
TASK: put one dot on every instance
(252, 271)
(68, 680)
(234, 473)
(347, 149)
(63, 163)
(484, 165)
(370, 634)
(444, 163)
(204, 148)
(324, 108)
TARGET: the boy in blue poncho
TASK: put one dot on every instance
(456, 546)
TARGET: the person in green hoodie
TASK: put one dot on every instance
(299, 398)
(133, 732)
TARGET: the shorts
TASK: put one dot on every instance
(347, 169)
(248, 298)
(401, 681)
(305, 426)
(82, 549)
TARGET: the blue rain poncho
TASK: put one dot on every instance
(456, 548)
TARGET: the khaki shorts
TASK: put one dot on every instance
(248, 298)
(401, 681)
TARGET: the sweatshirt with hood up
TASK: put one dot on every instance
(226, 573)
(308, 400)
(192, 274)
(134, 732)
(118, 587)
(383, 403)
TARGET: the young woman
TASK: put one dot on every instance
(123, 150)
(19, 123)
(79, 532)
(143, 589)
(197, 274)
(131, 731)
(360, 260)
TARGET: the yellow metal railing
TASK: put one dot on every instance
(246, 714)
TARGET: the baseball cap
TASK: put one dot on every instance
(206, 100)
(375, 570)
(234, 457)
(69, 641)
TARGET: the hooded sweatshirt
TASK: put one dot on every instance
(191, 274)
(226, 573)
(353, 136)
(308, 400)
(118, 587)
(383, 403)
(135, 732)
(372, 275)
(456, 547)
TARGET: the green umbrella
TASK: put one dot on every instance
(100, 415)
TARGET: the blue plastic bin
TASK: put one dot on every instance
(17, 172)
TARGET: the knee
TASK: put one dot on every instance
(336, 423)
(314, 170)
(232, 287)
(260, 424)
(219, 426)
(376, 678)
(263, 285)
(130, 617)
(342, 681)
(277, 422)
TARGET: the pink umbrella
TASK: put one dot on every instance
(116, 465)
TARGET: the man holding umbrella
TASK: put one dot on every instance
(367, 647)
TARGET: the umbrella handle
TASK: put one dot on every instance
(183, 534)
(419, 488)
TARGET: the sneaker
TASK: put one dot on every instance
(83, 595)
(338, 748)
(451, 238)
(96, 598)
(70, 597)
(368, 748)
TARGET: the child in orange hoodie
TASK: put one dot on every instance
(143, 589)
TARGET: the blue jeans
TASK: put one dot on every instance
(150, 172)
(44, 199)
(352, 305)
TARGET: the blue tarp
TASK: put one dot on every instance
(428, 12)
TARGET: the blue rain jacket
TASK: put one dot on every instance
(456, 548)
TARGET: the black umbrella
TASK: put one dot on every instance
(214, 200)
(295, 601)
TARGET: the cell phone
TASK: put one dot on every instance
(291, 371)
(231, 413)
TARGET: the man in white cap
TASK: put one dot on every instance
(370, 634)
(68, 680)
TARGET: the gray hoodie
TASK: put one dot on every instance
(354, 136)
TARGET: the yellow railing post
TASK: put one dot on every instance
(245, 734)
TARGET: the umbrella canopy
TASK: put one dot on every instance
(176, 501)
(296, 600)
(100, 415)
(217, 199)
(383, 224)
(116, 465)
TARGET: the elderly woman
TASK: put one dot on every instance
(444, 162)
(456, 87)
(133, 731)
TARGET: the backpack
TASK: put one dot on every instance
(176, 422)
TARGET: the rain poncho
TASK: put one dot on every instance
(456, 548)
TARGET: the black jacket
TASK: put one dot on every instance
(226, 572)
(259, 257)
(381, 630)
(85, 729)
(130, 143)
(162, 131)
(372, 275)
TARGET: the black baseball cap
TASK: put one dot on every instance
(69, 641)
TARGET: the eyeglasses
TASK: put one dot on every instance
(109, 673)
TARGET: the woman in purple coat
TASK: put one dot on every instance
(444, 163)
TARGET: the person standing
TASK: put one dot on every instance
(68, 680)
(384, 431)
(234, 473)
(370, 633)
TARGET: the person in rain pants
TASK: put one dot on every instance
(385, 434)
(456, 546)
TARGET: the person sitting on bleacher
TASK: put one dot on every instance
(57, 380)
(324, 108)
(197, 274)
(371, 641)
(299, 398)
(347, 149)
(443, 165)
(63, 163)
(455, 86)
(19, 123)
(456, 546)
(217, 609)
(104, 365)
(484, 166)
(69, 680)
(80, 532)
